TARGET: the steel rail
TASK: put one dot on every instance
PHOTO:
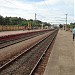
(11, 42)
(42, 55)
(23, 52)
(17, 57)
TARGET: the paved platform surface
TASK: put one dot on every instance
(62, 58)
(5, 33)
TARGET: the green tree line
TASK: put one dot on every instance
(71, 25)
(20, 21)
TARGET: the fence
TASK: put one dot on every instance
(10, 28)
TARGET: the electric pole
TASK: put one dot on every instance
(66, 21)
(35, 18)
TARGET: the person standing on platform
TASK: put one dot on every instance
(73, 31)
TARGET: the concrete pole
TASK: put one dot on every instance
(35, 18)
(66, 21)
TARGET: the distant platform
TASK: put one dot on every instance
(6, 33)
(62, 58)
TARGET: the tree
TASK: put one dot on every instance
(61, 26)
(6, 21)
(1, 20)
(71, 25)
(23, 23)
(19, 21)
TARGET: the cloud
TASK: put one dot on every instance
(45, 9)
(15, 8)
(23, 5)
(47, 2)
(74, 9)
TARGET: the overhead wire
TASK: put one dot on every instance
(34, 11)
(27, 11)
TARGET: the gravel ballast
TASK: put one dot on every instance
(12, 50)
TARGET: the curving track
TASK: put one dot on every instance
(26, 62)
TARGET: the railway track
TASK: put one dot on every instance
(18, 38)
(26, 62)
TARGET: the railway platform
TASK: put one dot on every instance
(62, 58)
(6, 33)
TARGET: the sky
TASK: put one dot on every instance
(52, 11)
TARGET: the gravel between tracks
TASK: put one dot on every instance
(12, 50)
(29, 60)
(42, 65)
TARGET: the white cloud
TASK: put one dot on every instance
(45, 8)
(15, 8)
(22, 5)
(74, 9)
(47, 2)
